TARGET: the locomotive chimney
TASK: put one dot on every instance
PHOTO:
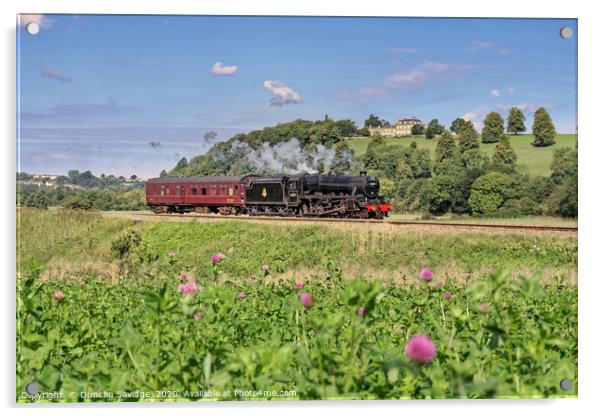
(363, 173)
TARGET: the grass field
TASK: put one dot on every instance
(536, 159)
(304, 311)
(534, 220)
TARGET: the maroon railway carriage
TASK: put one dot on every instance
(223, 194)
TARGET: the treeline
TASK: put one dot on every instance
(462, 179)
(222, 159)
(80, 191)
(76, 178)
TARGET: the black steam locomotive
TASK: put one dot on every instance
(307, 195)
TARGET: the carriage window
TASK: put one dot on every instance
(193, 189)
(177, 189)
(230, 191)
(212, 190)
(222, 189)
(167, 191)
(203, 190)
(162, 190)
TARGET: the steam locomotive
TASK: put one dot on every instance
(304, 195)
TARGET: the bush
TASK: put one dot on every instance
(126, 244)
(489, 192)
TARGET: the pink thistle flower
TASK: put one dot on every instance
(265, 268)
(205, 308)
(361, 310)
(82, 282)
(306, 299)
(189, 288)
(198, 316)
(426, 274)
(172, 254)
(221, 256)
(298, 286)
(241, 295)
(447, 295)
(484, 308)
(216, 258)
(59, 296)
(421, 349)
(183, 276)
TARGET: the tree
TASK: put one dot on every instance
(488, 193)
(373, 121)
(493, 128)
(504, 157)
(468, 138)
(445, 148)
(363, 132)
(457, 125)
(543, 129)
(346, 127)
(564, 165)
(516, 121)
(134, 177)
(434, 129)
(163, 173)
(418, 129)
(370, 156)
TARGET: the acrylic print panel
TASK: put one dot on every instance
(295, 208)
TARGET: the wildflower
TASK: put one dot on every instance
(306, 299)
(438, 284)
(426, 274)
(82, 282)
(241, 295)
(361, 310)
(216, 258)
(58, 296)
(189, 288)
(298, 286)
(484, 307)
(265, 268)
(447, 295)
(253, 279)
(172, 254)
(183, 276)
(421, 349)
(198, 316)
(205, 308)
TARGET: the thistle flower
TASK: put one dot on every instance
(426, 274)
(58, 296)
(447, 295)
(298, 286)
(172, 254)
(484, 307)
(421, 349)
(241, 295)
(82, 282)
(221, 256)
(198, 316)
(216, 258)
(306, 299)
(183, 276)
(189, 288)
(361, 310)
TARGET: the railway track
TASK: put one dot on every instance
(426, 224)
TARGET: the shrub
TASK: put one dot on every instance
(489, 192)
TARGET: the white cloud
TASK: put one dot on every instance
(418, 76)
(529, 106)
(495, 93)
(219, 69)
(282, 93)
(43, 21)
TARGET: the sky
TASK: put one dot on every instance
(130, 95)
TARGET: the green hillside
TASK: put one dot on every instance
(536, 159)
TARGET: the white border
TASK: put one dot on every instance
(590, 152)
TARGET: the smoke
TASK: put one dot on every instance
(209, 137)
(285, 157)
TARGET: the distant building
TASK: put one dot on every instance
(403, 127)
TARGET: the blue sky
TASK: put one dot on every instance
(132, 94)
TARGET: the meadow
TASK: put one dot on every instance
(115, 310)
(536, 160)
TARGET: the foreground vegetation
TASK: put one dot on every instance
(112, 310)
